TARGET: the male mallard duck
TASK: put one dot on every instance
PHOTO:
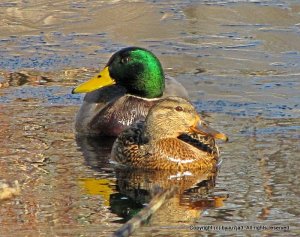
(123, 92)
(172, 137)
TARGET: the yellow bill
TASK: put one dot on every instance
(97, 82)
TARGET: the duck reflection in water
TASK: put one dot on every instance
(194, 194)
(133, 188)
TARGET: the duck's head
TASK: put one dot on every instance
(175, 116)
(136, 69)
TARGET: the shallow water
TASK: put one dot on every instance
(239, 61)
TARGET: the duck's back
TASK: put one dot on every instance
(187, 152)
(108, 114)
(174, 88)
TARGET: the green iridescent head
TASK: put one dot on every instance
(136, 69)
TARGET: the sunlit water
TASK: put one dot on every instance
(249, 52)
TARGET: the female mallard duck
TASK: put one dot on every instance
(123, 92)
(172, 137)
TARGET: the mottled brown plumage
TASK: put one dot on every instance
(171, 138)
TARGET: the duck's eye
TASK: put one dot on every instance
(178, 108)
(125, 60)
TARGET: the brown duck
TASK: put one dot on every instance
(172, 137)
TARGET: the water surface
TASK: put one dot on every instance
(239, 61)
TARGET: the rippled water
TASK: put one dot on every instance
(239, 61)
